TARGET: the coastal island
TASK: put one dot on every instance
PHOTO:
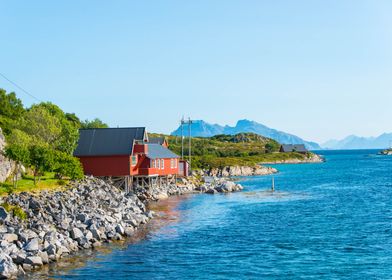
(387, 152)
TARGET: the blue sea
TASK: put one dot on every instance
(324, 221)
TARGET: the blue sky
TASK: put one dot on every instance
(317, 69)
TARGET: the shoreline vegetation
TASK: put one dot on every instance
(243, 149)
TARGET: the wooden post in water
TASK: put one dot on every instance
(273, 184)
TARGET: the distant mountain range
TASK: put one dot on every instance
(355, 142)
(201, 128)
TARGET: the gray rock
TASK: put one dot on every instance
(51, 249)
(76, 233)
(27, 267)
(211, 191)
(82, 217)
(34, 204)
(19, 258)
(120, 229)
(7, 267)
(32, 245)
(3, 229)
(44, 257)
(34, 261)
(4, 216)
(89, 235)
(10, 237)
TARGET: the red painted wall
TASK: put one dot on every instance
(146, 169)
(106, 165)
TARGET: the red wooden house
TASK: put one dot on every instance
(124, 152)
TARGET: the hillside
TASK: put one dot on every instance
(355, 142)
(201, 128)
(243, 149)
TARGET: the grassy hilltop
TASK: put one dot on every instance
(243, 149)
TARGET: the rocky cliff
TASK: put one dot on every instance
(229, 171)
(312, 159)
(6, 165)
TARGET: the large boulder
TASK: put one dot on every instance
(76, 233)
(7, 267)
(32, 245)
(4, 216)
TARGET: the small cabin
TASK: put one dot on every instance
(290, 148)
(119, 152)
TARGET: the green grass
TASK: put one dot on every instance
(26, 184)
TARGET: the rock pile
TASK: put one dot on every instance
(219, 186)
(59, 223)
(38, 229)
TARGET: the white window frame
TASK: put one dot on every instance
(158, 164)
(162, 164)
(132, 160)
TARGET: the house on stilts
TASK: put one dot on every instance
(127, 156)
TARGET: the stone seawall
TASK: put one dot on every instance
(39, 229)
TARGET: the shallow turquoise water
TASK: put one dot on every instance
(324, 221)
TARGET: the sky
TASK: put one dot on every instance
(317, 69)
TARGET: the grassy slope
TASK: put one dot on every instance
(26, 184)
(245, 149)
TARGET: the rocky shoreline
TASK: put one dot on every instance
(312, 159)
(230, 171)
(36, 230)
(387, 152)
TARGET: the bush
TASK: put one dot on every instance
(16, 210)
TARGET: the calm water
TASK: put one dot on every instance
(331, 221)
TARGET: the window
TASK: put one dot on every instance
(175, 163)
(162, 163)
(158, 164)
(134, 160)
(171, 163)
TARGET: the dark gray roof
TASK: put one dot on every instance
(108, 141)
(157, 151)
(156, 140)
(294, 148)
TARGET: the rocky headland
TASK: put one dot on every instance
(36, 230)
(313, 158)
(387, 152)
(230, 171)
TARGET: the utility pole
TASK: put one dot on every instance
(190, 143)
(189, 123)
(182, 138)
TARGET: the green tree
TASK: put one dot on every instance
(67, 166)
(21, 155)
(43, 127)
(95, 123)
(41, 160)
(48, 124)
(11, 109)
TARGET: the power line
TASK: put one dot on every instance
(19, 87)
